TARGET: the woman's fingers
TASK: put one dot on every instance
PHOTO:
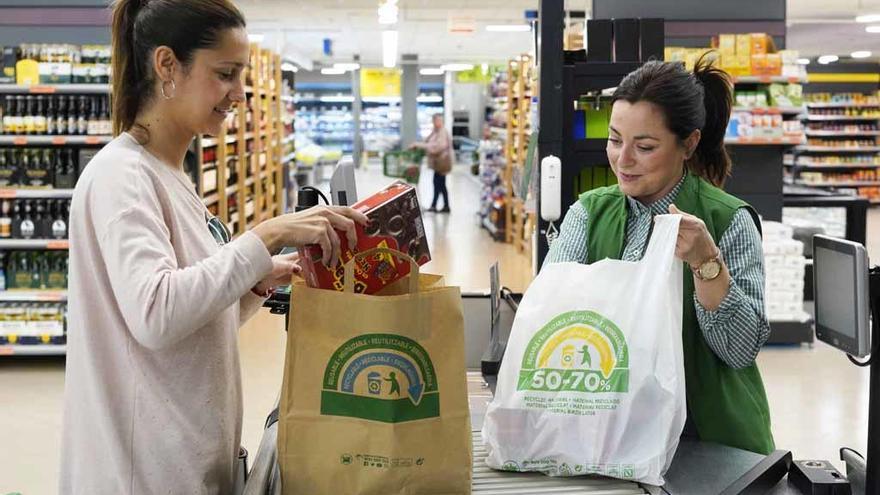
(334, 246)
(345, 224)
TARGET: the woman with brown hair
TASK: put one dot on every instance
(158, 290)
(438, 147)
(666, 147)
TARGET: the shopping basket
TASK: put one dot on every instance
(403, 164)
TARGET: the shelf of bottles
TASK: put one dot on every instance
(842, 150)
(240, 171)
(520, 90)
(50, 127)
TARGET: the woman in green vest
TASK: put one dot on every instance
(666, 147)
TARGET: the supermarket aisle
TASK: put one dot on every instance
(818, 400)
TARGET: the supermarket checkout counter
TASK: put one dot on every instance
(699, 468)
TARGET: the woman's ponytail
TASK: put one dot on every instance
(127, 88)
(710, 160)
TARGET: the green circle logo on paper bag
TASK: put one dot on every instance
(578, 351)
(380, 377)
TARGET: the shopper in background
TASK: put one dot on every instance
(158, 290)
(666, 146)
(438, 147)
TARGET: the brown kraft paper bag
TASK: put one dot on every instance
(374, 399)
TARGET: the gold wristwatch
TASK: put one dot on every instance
(710, 269)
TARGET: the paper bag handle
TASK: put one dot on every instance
(413, 267)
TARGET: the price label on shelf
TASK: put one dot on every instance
(8, 193)
(20, 141)
(6, 350)
(59, 140)
(43, 90)
(93, 140)
(58, 245)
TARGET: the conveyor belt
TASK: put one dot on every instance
(490, 482)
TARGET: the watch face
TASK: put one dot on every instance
(710, 270)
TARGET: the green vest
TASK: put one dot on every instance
(727, 406)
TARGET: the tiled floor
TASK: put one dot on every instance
(818, 399)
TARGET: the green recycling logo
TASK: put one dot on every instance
(380, 377)
(577, 351)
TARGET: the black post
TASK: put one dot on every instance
(550, 118)
(872, 483)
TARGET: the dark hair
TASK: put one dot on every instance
(699, 100)
(139, 26)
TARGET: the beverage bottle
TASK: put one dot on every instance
(92, 120)
(28, 119)
(39, 115)
(9, 115)
(82, 117)
(61, 117)
(5, 219)
(59, 220)
(28, 228)
(50, 115)
(106, 123)
(71, 115)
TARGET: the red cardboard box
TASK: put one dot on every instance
(396, 223)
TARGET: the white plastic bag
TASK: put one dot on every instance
(592, 381)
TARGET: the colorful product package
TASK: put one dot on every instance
(396, 223)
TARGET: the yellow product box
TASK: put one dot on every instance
(760, 43)
(743, 65)
(727, 42)
(774, 64)
(743, 44)
(674, 53)
(759, 64)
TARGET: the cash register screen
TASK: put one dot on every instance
(841, 294)
(836, 294)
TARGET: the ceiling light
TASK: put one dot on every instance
(288, 67)
(860, 54)
(388, 12)
(803, 61)
(456, 67)
(389, 48)
(873, 29)
(868, 18)
(256, 38)
(429, 99)
(827, 59)
(332, 71)
(508, 28)
(430, 71)
(346, 66)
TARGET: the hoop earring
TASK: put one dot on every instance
(173, 89)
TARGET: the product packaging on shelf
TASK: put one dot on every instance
(785, 266)
(395, 222)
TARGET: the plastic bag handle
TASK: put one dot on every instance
(413, 267)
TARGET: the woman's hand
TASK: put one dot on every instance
(695, 246)
(317, 225)
(284, 267)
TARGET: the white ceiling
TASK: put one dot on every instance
(298, 27)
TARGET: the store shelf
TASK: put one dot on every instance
(841, 133)
(767, 79)
(771, 110)
(839, 149)
(836, 118)
(7, 139)
(840, 184)
(843, 105)
(288, 157)
(33, 350)
(762, 141)
(24, 244)
(289, 139)
(36, 193)
(207, 142)
(211, 199)
(14, 295)
(56, 88)
(846, 166)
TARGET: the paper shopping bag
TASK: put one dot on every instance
(374, 399)
(592, 381)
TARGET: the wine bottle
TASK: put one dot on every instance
(50, 115)
(61, 117)
(39, 115)
(29, 115)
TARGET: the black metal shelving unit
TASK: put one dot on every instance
(562, 83)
